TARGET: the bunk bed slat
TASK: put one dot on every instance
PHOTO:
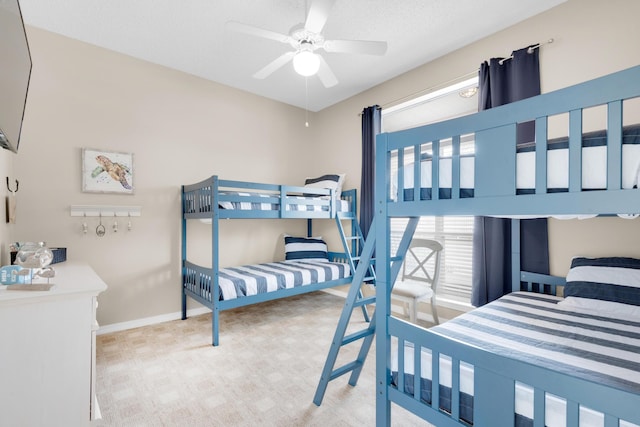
(575, 150)
(541, 155)
(538, 407)
(435, 376)
(416, 172)
(573, 413)
(435, 171)
(401, 368)
(614, 145)
(455, 167)
(455, 388)
(610, 421)
(417, 367)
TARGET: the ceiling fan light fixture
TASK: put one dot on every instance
(306, 63)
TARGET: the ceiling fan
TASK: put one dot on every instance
(305, 39)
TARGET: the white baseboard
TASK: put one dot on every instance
(123, 326)
(147, 321)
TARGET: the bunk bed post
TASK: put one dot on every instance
(184, 256)
(515, 255)
(355, 224)
(383, 296)
(215, 260)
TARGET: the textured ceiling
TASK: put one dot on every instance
(190, 36)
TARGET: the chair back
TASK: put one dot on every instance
(420, 253)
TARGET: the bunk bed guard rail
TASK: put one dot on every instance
(495, 156)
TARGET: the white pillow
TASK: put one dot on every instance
(329, 181)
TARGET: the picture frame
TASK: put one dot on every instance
(107, 171)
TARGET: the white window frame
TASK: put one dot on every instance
(455, 233)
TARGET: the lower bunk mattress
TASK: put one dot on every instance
(248, 280)
(537, 329)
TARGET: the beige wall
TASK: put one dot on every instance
(591, 38)
(182, 129)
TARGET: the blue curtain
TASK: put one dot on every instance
(370, 128)
(501, 83)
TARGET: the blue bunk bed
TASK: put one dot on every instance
(309, 266)
(472, 369)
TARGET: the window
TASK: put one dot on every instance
(454, 232)
(456, 235)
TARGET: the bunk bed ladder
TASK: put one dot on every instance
(353, 247)
(355, 299)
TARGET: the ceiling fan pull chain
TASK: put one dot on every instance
(306, 102)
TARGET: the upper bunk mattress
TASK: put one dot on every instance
(594, 167)
(271, 205)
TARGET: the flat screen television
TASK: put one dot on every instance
(15, 73)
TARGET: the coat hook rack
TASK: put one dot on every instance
(105, 210)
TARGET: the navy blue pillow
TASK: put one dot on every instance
(307, 248)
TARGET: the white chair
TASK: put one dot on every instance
(419, 284)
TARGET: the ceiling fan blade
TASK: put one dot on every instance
(256, 31)
(318, 14)
(325, 74)
(274, 65)
(356, 46)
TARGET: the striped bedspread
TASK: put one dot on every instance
(341, 206)
(534, 328)
(248, 280)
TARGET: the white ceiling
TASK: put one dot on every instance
(190, 36)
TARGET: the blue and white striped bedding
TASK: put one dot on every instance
(341, 205)
(236, 282)
(599, 346)
(594, 167)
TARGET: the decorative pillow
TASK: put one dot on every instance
(614, 279)
(308, 248)
(332, 182)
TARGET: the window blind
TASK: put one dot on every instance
(456, 235)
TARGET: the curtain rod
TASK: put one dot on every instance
(459, 78)
(530, 50)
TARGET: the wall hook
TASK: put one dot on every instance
(100, 230)
(9, 188)
(84, 225)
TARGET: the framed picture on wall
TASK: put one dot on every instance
(107, 172)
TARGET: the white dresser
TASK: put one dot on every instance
(47, 350)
